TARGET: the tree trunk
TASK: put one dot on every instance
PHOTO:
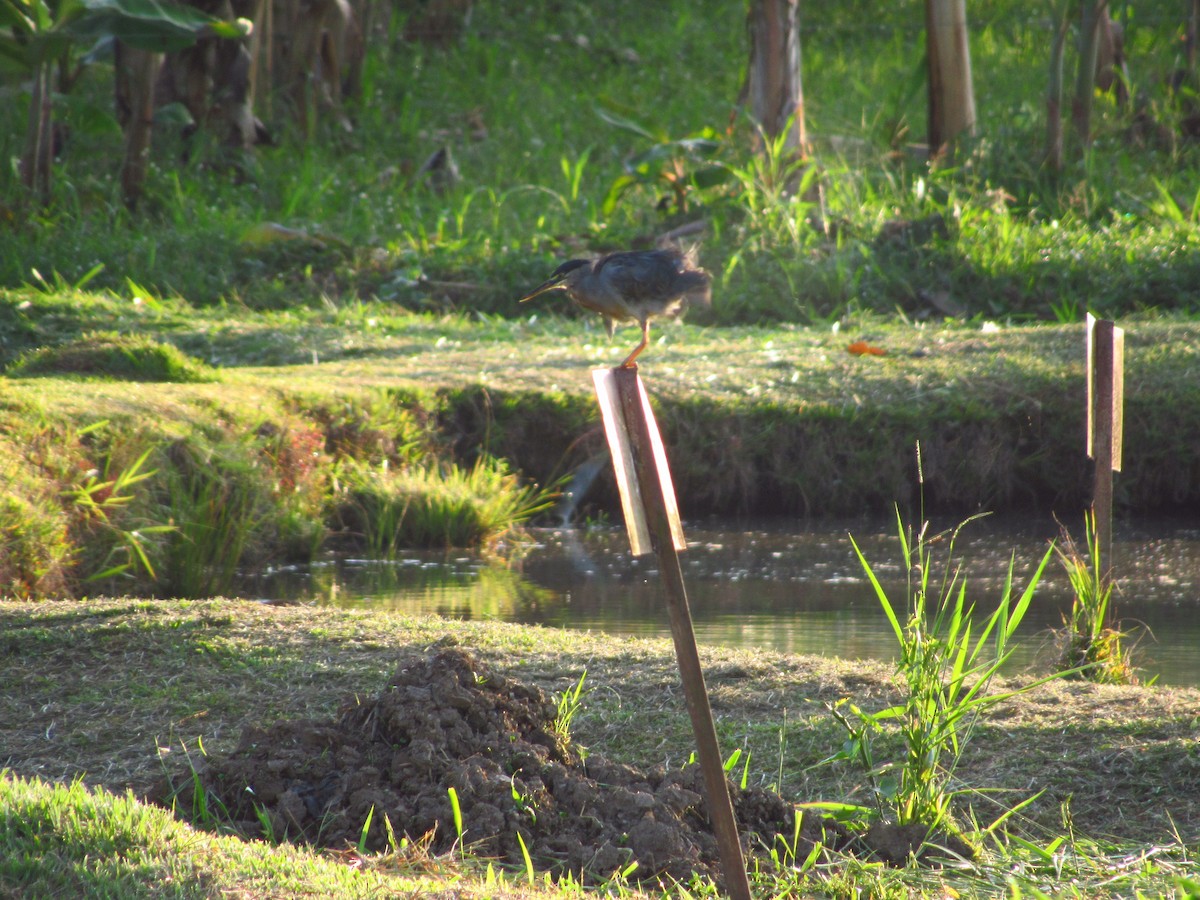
(39, 134)
(1054, 90)
(139, 70)
(1093, 16)
(951, 90)
(773, 78)
(1112, 74)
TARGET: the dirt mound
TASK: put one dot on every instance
(445, 722)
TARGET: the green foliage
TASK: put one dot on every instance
(152, 25)
(946, 664)
(567, 705)
(681, 167)
(99, 500)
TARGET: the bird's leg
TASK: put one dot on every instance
(629, 360)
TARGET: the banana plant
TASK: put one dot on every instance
(38, 35)
(681, 165)
(34, 37)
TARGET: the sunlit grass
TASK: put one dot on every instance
(71, 840)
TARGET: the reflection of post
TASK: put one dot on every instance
(652, 519)
(1106, 379)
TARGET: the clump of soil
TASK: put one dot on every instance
(445, 722)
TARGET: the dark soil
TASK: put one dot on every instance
(445, 722)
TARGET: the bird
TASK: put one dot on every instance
(632, 286)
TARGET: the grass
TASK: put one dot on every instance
(426, 507)
(769, 420)
(112, 356)
(70, 839)
(182, 486)
(1109, 758)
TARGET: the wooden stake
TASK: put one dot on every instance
(652, 515)
(1105, 415)
(620, 443)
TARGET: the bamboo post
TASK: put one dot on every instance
(652, 521)
(1105, 400)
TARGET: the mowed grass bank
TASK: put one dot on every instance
(1114, 762)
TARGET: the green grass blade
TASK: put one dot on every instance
(880, 592)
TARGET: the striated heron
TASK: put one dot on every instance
(632, 285)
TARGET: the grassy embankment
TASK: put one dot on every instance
(288, 442)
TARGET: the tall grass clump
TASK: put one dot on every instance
(35, 549)
(947, 661)
(76, 512)
(1090, 646)
(241, 499)
(215, 499)
(430, 506)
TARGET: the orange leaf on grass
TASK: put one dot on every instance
(862, 348)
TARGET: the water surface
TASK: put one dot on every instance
(793, 587)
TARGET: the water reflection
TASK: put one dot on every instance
(776, 587)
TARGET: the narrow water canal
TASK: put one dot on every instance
(791, 587)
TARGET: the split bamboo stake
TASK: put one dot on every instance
(652, 521)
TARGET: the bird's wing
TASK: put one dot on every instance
(640, 276)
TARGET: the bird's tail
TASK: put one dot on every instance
(697, 288)
(696, 283)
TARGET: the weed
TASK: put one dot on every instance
(681, 167)
(529, 870)
(366, 830)
(567, 704)
(206, 809)
(96, 501)
(456, 812)
(1091, 647)
(946, 671)
(730, 764)
(784, 853)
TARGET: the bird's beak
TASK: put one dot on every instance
(544, 287)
